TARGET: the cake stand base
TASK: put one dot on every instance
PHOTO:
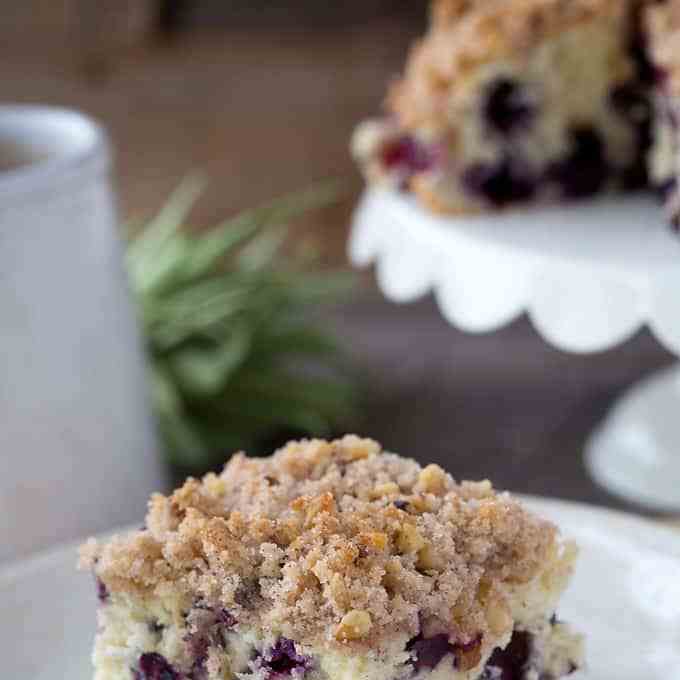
(635, 452)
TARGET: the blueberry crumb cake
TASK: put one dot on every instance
(333, 561)
(511, 102)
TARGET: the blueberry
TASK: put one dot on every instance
(428, 652)
(471, 645)
(225, 618)
(248, 593)
(408, 154)
(639, 51)
(283, 659)
(660, 76)
(512, 662)
(197, 647)
(666, 188)
(153, 666)
(501, 183)
(507, 106)
(400, 504)
(675, 223)
(584, 171)
(155, 627)
(219, 614)
(206, 627)
(636, 176)
(631, 101)
(102, 591)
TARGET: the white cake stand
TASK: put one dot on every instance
(589, 276)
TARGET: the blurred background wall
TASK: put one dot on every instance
(262, 96)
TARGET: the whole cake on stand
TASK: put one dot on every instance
(496, 179)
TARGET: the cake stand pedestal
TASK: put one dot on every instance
(588, 276)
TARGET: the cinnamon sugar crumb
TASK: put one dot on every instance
(349, 545)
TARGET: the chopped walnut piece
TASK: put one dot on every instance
(355, 624)
(432, 479)
(386, 489)
(409, 539)
(428, 559)
(354, 448)
(373, 539)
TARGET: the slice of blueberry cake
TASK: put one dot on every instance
(663, 28)
(333, 561)
(507, 102)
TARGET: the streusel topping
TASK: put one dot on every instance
(466, 34)
(334, 543)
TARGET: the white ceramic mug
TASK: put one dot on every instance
(77, 447)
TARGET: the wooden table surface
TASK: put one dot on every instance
(504, 405)
(261, 112)
(264, 112)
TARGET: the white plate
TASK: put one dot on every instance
(625, 596)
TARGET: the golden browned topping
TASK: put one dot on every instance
(465, 34)
(663, 26)
(335, 543)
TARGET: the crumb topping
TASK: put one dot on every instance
(334, 543)
(465, 34)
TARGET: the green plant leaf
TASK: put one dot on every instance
(235, 354)
(160, 271)
(203, 370)
(217, 244)
(183, 443)
(298, 340)
(164, 225)
(164, 395)
(262, 251)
